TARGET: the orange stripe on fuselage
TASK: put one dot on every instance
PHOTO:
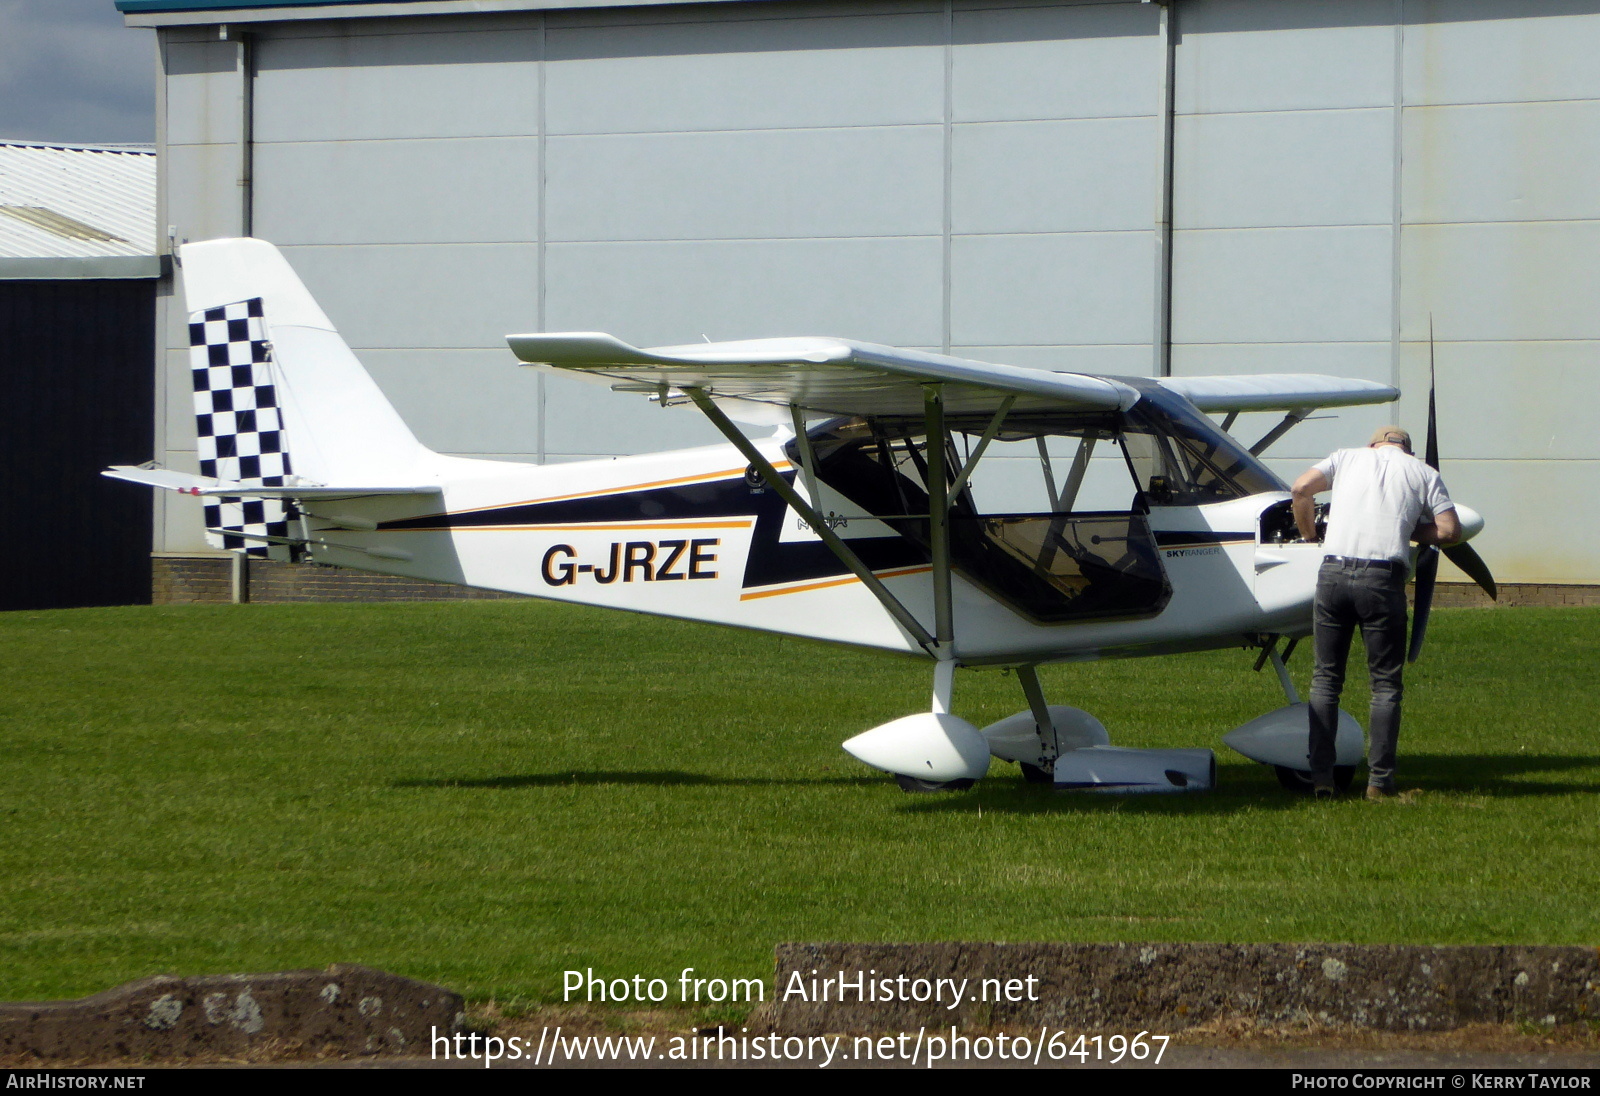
(830, 582)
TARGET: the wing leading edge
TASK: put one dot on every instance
(826, 376)
(843, 377)
(1277, 392)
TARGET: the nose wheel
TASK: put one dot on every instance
(1298, 780)
(912, 784)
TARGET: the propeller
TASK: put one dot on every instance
(1462, 555)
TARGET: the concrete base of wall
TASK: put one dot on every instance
(1467, 595)
(1168, 987)
(182, 580)
(341, 1010)
(188, 580)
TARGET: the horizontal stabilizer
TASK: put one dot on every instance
(1278, 391)
(187, 484)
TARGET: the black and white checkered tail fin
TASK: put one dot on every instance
(241, 437)
(270, 340)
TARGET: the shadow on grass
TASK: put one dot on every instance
(1495, 776)
(658, 778)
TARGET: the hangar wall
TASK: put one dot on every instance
(985, 177)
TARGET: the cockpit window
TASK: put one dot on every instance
(1054, 520)
(1181, 458)
(1059, 562)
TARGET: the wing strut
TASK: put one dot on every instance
(1049, 475)
(938, 520)
(808, 458)
(1080, 467)
(1290, 421)
(989, 434)
(901, 614)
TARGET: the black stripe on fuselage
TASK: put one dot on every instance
(1191, 539)
(771, 561)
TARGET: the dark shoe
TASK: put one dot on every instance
(1324, 789)
(1376, 794)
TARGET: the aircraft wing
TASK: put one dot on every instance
(1277, 391)
(827, 376)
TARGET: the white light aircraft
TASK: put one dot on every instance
(968, 514)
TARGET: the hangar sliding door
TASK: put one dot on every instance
(982, 179)
(75, 396)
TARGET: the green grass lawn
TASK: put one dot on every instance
(485, 794)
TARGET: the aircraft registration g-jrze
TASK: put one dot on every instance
(969, 514)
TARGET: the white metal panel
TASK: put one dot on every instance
(1502, 162)
(1508, 400)
(438, 295)
(1282, 285)
(363, 87)
(179, 395)
(633, 424)
(659, 294)
(203, 93)
(466, 402)
(1079, 287)
(1532, 531)
(746, 74)
(1246, 55)
(867, 181)
(1510, 53)
(1333, 167)
(365, 192)
(1069, 61)
(1368, 361)
(1528, 280)
(1055, 176)
(181, 518)
(202, 190)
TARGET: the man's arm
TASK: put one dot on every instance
(1305, 507)
(1445, 528)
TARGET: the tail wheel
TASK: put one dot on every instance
(1299, 780)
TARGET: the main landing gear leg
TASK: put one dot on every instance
(1049, 746)
(944, 678)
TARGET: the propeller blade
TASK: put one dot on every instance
(1464, 557)
(1427, 572)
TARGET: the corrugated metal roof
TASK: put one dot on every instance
(76, 201)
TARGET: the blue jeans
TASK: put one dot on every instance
(1372, 594)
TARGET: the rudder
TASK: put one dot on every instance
(280, 400)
